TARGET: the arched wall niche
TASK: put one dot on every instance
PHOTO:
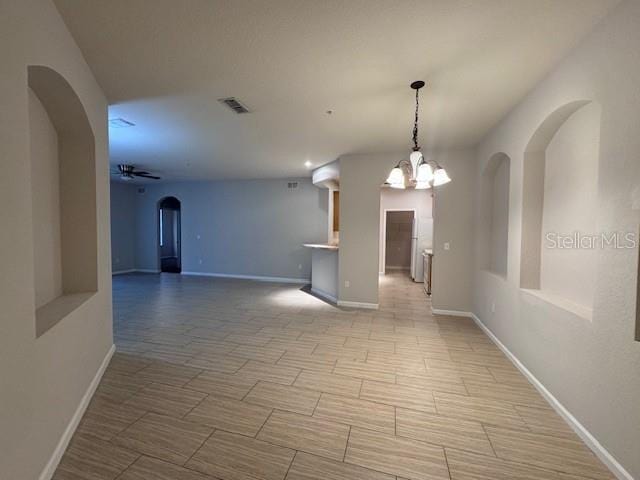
(495, 214)
(63, 179)
(560, 186)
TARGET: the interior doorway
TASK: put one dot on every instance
(400, 241)
(169, 243)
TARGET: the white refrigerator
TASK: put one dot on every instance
(415, 261)
(421, 239)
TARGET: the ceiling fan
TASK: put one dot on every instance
(129, 172)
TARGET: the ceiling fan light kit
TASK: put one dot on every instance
(417, 172)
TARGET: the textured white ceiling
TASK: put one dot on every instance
(164, 63)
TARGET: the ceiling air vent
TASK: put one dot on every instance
(234, 105)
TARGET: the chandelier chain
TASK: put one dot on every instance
(415, 123)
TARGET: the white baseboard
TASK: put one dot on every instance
(146, 270)
(346, 303)
(258, 278)
(53, 462)
(325, 295)
(616, 468)
(453, 313)
(122, 272)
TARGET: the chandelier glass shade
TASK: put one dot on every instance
(440, 177)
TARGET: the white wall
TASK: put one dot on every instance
(419, 200)
(591, 367)
(42, 380)
(45, 192)
(249, 227)
(123, 225)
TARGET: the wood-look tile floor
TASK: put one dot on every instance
(238, 380)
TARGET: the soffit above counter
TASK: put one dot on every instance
(327, 176)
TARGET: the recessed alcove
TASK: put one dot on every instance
(63, 193)
(560, 189)
(495, 214)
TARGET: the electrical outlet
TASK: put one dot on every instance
(299, 266)
(447, 246)
(198, 237)
(493, 307)
(347, 284)
(200, 261)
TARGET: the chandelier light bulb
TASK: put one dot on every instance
(425, 173)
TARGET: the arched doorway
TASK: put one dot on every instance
(169, 242)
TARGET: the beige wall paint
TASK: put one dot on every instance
(42, 380)
(570, 200)
(590, 367)
(45, 194)
(453, 224)
(360, 179)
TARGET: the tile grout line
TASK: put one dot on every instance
(489, 439)
(346, 445)
(446, 461)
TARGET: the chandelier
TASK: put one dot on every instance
(417, 172)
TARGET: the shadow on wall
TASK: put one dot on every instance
(494, 231)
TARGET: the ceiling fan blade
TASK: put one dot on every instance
(146, 176)
(140, 172)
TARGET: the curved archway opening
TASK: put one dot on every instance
(169, 235)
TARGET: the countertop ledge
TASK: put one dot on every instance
(325, 246)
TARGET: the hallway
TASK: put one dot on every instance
(233, 379)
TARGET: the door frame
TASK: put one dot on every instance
(178, 229)
(382, 268)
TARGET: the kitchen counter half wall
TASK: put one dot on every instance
(324, 246)
(324, 271)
